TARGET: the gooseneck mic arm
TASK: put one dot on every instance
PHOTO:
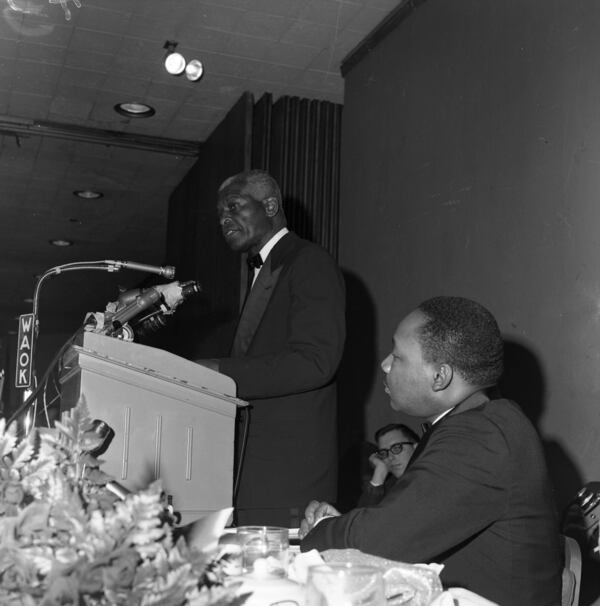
(107, 265)
(168, 271)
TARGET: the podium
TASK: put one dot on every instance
(173, 419)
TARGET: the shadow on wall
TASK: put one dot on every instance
(358, 371)
(523, 381)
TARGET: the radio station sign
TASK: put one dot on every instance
(23, 375)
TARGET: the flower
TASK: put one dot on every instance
(65, 540)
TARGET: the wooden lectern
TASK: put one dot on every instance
(173, 419)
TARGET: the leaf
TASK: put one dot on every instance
(63, 526)
(23, 453)
(65, 429)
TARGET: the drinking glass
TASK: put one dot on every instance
(344, 585)
(264, 549)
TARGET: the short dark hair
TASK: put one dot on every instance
(464, 334)
(409, 434)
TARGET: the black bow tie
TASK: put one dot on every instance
(254, 262)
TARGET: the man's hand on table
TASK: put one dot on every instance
(315, 512)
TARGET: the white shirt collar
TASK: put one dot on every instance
(440, 417)
(268, 247)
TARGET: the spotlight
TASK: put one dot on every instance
(174, 62)
(194, 70)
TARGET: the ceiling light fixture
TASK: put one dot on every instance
(175, 63)
(63, 3)
(88, 194)
(61, 242)
(134, 110)
(194, 70)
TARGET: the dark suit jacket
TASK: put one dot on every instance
(285, 356)
(476, 498)
(372, 495)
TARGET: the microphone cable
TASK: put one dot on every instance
(245, 412)
(42, 382)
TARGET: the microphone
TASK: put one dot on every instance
(168, 271)
(157, 316)
(189, 288)
(139, 303)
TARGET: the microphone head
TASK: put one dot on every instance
(190, 288)
(168, 271)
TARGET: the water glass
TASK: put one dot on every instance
(264, 550)
(345, 585)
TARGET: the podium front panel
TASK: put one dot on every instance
(165, 427)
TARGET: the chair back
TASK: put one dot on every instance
(571, 578)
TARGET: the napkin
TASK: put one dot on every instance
(298, 569)
(405, 584)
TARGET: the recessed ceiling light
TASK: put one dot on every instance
(88, 194)
(134, 110)
(60, 242)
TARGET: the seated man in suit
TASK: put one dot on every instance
(476, 495)
(395, 445)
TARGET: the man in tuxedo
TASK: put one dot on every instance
(476, 495)
(285, 355)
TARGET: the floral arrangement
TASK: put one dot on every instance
(66, 540)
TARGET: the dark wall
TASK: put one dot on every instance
(298, 142)
(470, 152)
(195, 244)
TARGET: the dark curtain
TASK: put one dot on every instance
(298, 142)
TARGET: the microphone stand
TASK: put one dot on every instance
(105, 265)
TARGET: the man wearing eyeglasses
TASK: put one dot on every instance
(395, 445)
(476, 495)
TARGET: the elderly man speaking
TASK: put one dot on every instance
(285, 355)
(476, 495)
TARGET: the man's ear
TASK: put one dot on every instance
(271, 206)
(442, 377)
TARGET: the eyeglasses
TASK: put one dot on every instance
(397, 448)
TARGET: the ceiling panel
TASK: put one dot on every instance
(72, 72)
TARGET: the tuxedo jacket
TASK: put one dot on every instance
(284, 360)
(476, 498)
